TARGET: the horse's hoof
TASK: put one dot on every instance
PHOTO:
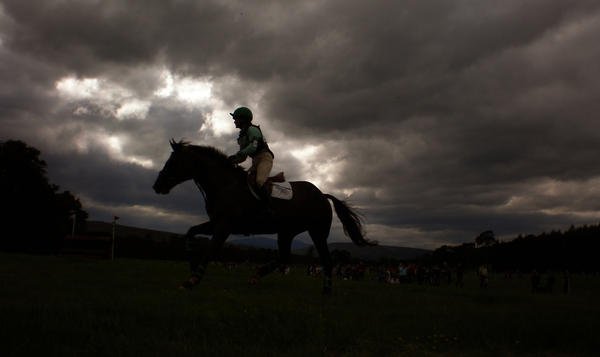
(188, 284)
(185, 286)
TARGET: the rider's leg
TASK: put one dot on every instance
(262, 165)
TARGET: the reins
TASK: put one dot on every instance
(201, 189)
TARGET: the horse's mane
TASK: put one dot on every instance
(211, 152)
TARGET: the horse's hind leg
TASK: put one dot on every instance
(284, 245)
(319, 238)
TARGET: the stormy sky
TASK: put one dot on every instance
(437, 119)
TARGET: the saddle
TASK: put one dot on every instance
(280, 177)
(276, 186)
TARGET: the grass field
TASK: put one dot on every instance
(69, 306)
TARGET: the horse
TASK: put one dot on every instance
(233, 209)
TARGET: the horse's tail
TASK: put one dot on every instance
(351, 221)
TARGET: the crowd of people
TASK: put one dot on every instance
(341, 271)
(545, 283)
(396, 274)
(435, 275)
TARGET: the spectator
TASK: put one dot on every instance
(566, 282)
(459, 275)
(550, 281)
(535, 281)
(483, 276)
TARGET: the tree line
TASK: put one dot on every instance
(575, 250)
(36, 214)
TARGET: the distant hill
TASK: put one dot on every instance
(97, 227)
(268, 243)
(367, 253)
(104, 228)
(298, 247)
(372, 253)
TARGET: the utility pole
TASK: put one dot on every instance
(74, 216)
(114, 226)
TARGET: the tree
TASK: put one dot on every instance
(69, 211)
(22, 173)
(486, 239)
(35, 216)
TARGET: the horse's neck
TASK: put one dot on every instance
(208, 181)
(213, 178)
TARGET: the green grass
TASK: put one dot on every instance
(68, 306)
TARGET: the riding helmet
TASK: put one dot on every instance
(242, 113)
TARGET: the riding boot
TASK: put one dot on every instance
(265, 199)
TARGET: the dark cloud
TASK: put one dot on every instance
(439, 120)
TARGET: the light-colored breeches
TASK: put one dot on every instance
(262, 165)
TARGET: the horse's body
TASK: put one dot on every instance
(232, 209)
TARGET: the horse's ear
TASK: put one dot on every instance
(173, 144)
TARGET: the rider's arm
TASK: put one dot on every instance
(254, 136)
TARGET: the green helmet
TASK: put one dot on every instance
(242, 113)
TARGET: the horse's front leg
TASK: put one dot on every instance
(198, 267)
(206, 228)
(194, 255)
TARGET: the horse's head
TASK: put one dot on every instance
(175, 171)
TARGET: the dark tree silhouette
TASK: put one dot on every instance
(574, 250)
(486, 239)
(35, 216)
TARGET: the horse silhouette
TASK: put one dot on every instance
(233, 209)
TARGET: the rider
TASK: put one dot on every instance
(253, 144)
